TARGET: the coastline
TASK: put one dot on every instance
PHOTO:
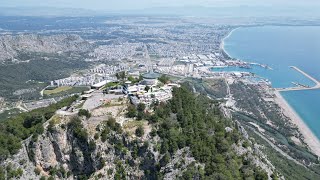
(309, 137)
(222, 43)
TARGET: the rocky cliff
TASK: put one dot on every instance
(57, 152)
(66, 150)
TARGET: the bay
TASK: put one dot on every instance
(281, 47)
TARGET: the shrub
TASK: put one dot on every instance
(76, 126)
(96, 136)
(132, 111)
(84, 112)
(140, 131)
(37, 171)
(104, 134)
(141, 107)
(164, 79)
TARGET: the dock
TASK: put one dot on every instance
(301, 87)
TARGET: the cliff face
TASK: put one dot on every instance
(59, 149)
(12, 46)
(66, 150)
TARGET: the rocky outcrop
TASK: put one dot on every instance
(2, 103)
(179, 164)
(21, 161)
(59, 149)
(13, 46)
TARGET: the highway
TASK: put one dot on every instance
(317, 86)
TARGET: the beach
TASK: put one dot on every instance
(222, 42)
(258, 43)
(309, 138)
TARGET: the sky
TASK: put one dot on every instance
(114, 5)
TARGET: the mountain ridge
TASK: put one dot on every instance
(12, 46)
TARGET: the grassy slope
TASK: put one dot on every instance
(57, 90)
(18, 76)
(287, 168)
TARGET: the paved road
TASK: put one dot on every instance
(97, 99)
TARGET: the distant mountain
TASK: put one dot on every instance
(44, 11)
(234, 11)
(11, 47)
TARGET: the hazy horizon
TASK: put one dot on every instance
(200, 8)
(142, 4)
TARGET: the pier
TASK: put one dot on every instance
(261, 65)
(299, 88)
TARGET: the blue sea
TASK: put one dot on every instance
(280, 47)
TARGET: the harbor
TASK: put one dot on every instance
(299, 86)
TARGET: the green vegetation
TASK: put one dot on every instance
(155, 56)
(215, 87)
(287, 168)
(121, 75)
(131, 111)
(29, 75)
(110, 130)
(57, 90)
(78, 131)
(137, 112)
(133, 124)
(248, 97)
(22, 126)
(9, 113)
(13, 173)
(141, 114)
(135, 80)
(147, 88)
(120, 171)
(84, 112)
(86, 146)
(110, 125)
(63, 91)
(164, 79)
(104, 134)
(187, 120)
(140, 131)
(111, 84)
(2, 173)
(199, 124)
(113, 125)
(282, 131)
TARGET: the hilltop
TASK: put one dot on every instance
(187, 137)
